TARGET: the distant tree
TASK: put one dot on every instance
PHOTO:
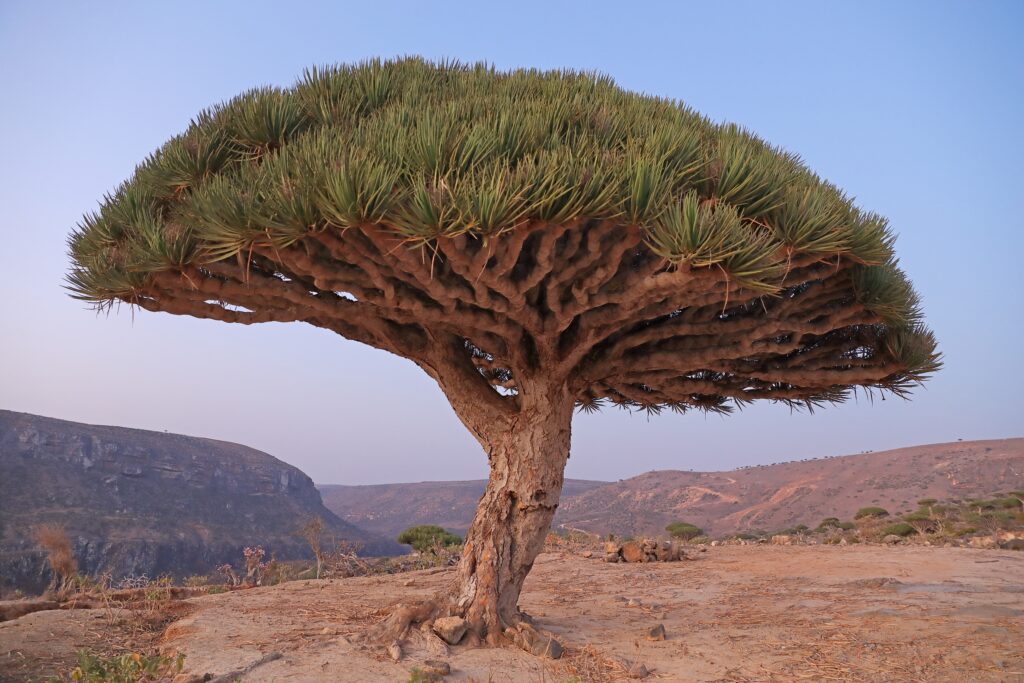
(534, 242)
(871, 511)
(425, 537)
(684, 530)
(312, 532)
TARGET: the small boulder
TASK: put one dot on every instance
(395, 651)
(450, 629)
(892, 539)
(656, 632)
(782, 539)
(588, 554)
(633, 552)
(533, 641)
(633, 602)
(638, 670)
(1013, 544)
(612, 557)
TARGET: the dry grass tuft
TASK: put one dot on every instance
(59, 554)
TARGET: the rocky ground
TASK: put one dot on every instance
(732, 613)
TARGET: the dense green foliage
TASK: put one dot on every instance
(426, 537)
(871, 511)
(684, 530)
(828, 523)
(427, 150)
(898, 529)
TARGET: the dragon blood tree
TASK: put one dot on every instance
(535, 242)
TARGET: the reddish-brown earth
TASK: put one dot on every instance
(734, 613)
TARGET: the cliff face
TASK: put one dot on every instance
(137, 502)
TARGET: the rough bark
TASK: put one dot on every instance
(527, 450)
(527, 462)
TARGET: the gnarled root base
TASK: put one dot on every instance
(418, 618)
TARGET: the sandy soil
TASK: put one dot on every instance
(737, 613)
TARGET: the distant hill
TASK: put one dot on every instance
(137, 502)
(768, 497)
(778, 496)
(389, 508)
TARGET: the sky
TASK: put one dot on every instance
(912, 107)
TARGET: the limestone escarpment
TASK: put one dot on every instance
(140, 502)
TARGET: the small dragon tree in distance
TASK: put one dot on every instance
(533, 241)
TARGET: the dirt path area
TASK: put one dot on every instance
(743, 613)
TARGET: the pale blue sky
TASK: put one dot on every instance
(913, 107)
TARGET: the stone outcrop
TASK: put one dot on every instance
(137, 502)
(644, 550)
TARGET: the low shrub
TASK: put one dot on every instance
(872, 511)
(684, 530)
(426, 537)
(197, 580)
(131, 667)
(828, 523)
(898, 529)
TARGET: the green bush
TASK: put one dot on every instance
(684, 530)
(828, 523)
(918, 516)
(925, 502)
(898, 529)
(425, 537)
(872, 511)
(130, 667)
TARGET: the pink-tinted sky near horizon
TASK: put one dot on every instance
(913, 107)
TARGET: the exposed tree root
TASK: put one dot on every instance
(406, 615)
(416, 619)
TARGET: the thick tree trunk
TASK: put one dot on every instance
(527, 463)
(527, 445)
